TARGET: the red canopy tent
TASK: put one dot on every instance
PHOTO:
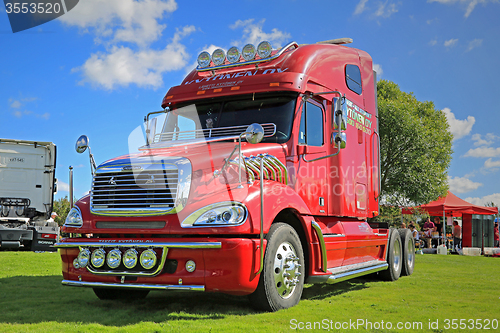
(451, 205)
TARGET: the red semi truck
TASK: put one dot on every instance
(258, 176)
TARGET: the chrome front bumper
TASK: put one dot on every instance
(132, 285)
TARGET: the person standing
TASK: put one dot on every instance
(496, 235)
(457, 236)
(428, 229)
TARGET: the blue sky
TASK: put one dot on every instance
(98, 69)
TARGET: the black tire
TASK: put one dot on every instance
(408, 243)
(282, 280)
(120, 294)
(394, 257)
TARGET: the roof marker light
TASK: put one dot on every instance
(264, 49)
(204, 59)
(233, 55)
(248, 52)
(218, 57)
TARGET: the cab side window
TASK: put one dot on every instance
(311, 125)
(353, 78)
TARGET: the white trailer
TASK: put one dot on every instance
(27, 187)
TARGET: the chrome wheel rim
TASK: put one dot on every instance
(411, 252)
(286, 270)
(397, 256)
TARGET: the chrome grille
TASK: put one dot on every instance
(140, 188)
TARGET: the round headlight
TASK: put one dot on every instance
(98, 258)
(218, 57)
(148, 259)
(190, 266)
(114, 258)
(83, 257)
(130, 258)
(204, 59)
(248, 52)
(233, 55)
(264, 49)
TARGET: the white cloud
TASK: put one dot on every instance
(462, 184)
(451, 42)
(493, 165)
(479, 141)
(468, 4)
(15, 104)
(19, 110)
(483, 152)
(473, 44)
(385, 10)
(495, 198)
(360, 7)
(378, 68)
(62, 186)
(121, 20)
(459, 128)
(122, 66)
(253, 33)
(433, 42)
(126, 29)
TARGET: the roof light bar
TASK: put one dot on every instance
(218, 57)
(249, 53)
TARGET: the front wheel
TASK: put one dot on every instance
(282, 279)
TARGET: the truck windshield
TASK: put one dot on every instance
(229, 117)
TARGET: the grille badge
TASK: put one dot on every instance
(112, 181)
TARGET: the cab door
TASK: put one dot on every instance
(312, 180)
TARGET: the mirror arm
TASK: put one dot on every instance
(321, 158)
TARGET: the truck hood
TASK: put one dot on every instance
(199, 168)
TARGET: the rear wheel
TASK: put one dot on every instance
(282, 279)
(120, 294)
(394, 257)
(408, 249)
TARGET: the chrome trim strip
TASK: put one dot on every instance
(172, 245)
(251, 62)
(333, 235)
(377, 234)
(324, 261)
(132, 285)
(335, 278)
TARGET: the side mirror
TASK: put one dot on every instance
(340, 140)
(340, 115)
(82, 144)
(151, 131)
(254, 133)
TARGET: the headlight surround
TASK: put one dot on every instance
(74, 218)
(98, 258)
(130, 258)
(114, 258)
(148, 259)
(83, 258)
(224, 214)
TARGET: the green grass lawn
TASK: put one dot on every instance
(32, 299)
